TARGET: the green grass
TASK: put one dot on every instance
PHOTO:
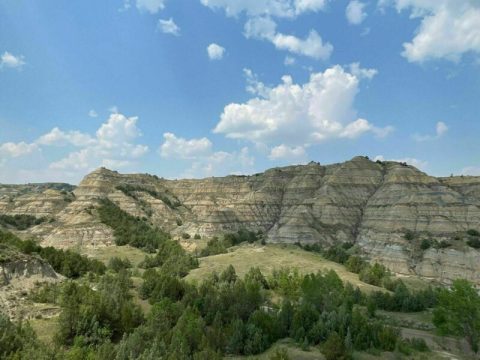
(270, 257)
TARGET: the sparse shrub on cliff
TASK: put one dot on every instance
(185, 236)
(197, 237)
(473, 232)
(425, 244)
(409, 235)
(20, 221)
(474, 242)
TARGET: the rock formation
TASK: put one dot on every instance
(372, 204)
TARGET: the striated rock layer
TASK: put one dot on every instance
(372, 204)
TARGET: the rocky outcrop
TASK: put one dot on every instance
(373, 204)
(19, 274)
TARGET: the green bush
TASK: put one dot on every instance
(65, 262)
(197, 237)
(409, 235)
(425, 244)
(473, 232)
(185, 236)
(116, 264)
(20, 222)
(130, 230)
(374, 275)
(474, 242)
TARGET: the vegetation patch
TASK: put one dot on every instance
(20, 222)
(65, 262)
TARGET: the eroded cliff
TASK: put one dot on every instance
(373, 204)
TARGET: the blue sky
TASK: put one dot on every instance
(195, 88)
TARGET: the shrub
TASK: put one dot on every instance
(425, 244)
(197, 237)
(215, 246)
(355, 264)
(116, 264)
(185, 236)
(409, 235)
(20, 221)
(473, 232)
(474, 242)
(374, 275)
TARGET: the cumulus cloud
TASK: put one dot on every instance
(151, 6)
(8, 60)
(264, 28)
(276, 8)
(360, 72)
(14, 150)
(419, 164)
(180, 148)
(448, 28)
(60, 138)
(283, 152)
(440, 129)
(355, 12)
(113, 145)
(168, 27)
(203, 161)
(215, 51)
(299, 114)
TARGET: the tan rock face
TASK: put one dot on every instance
(370, 203)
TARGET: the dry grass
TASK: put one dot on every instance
(270, 257)
(104, 254)
(45, 328)
(294, 352)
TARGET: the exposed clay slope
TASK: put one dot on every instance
(370, 203)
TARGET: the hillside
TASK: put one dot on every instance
(395, 214)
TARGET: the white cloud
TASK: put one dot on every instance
(312, 46)
(440, 129)
(448, 28)
(14, 150)
(92, 113)
(276, 8)
(355, 12)
(203, 161)
(180, 148)
(360, 73)
(289, 60)
(8, 60)
(419, 164)
(168, 27)
(215, 51)
(113, 145)
(222, 163)
(254, 85)
(151, 6)
(283, 152)
(299, 115)
(60, 138)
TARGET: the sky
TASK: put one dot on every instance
(199, 88)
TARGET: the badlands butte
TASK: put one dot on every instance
(387, 209)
